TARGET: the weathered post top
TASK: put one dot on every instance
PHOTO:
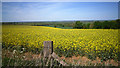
(48, 48)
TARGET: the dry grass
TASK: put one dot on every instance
(74, 61)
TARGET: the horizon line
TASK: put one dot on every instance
(59, 20)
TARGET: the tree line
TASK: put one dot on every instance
(114, 24)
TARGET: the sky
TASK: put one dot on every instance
(60, 0)
(58, 11)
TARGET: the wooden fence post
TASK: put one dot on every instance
(48, 50)
(49, 55)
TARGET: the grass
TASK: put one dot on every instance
(16, 58)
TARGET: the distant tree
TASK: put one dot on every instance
(78, 25)
(62, 25)
(55, 26)
(113, 24)
(88, 25)
(97, 25)
(118, 23)
(14, 23)
(91, 26)
(106, 25)
(84, 26)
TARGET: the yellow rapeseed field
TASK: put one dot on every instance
(98, 42)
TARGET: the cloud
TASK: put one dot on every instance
(28, 11)
(45, 11)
